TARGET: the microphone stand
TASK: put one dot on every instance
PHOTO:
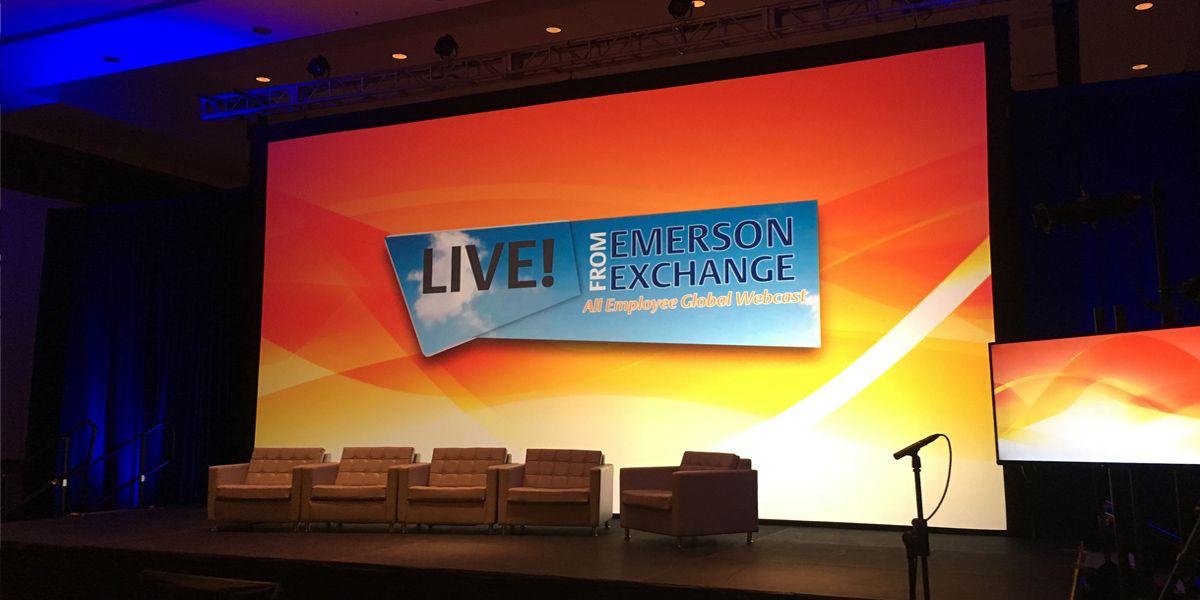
(916, 540)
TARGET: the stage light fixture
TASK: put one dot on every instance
(1140, 67)
(698, 3)
(263, 79)
(446, 47)
(553, 29)
(1143, 6)
(319, 67)
(680, 9)
(399, 56)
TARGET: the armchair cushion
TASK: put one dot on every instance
(242, 491)
(549, 495)
(349, 492)
(436, 493)
(652, 499)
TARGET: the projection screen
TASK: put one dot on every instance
(879, 337)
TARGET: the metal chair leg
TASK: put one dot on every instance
(626, 533)
(749, 537)
(606, 524)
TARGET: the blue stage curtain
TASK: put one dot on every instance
(158, 308)
(1104, 139)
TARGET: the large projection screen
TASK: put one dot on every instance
(895, 152)
(1118, 398)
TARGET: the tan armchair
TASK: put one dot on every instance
(360, 489)
(708, 493)
(262, 490)
(555, 487)
(457, 487)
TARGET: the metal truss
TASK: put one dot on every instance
(689, 36)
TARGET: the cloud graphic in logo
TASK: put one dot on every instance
(432, 309)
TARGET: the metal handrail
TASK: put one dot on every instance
(141, 474)
(61, 479)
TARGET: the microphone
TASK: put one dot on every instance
(914, 447)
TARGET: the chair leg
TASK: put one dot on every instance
(606, 524)
(626, 533)
(749, 537)
(595, 531)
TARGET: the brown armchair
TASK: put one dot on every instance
(361, 488)
(457, 487)
(262, 490)
(555, 487)
(708, 493)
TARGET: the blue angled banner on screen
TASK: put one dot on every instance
(744, 276)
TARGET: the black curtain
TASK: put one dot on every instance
(149, 330)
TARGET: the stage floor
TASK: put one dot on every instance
(55, 557)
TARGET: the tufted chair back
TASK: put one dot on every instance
(708, 461)
(369, 466)
(273, 466)
(463, 467)
(560, 468)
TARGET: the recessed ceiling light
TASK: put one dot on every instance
(1140, 66)
(553, 29)
(111, 59)
(1143, 6)
(263, 79)
(698, 3)
(399, 56)
(261, 30)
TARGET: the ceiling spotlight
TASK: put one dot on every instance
(1140, 66)
(680, 9)
(553, 29)
(263, 79)
(319, 67)
(1143, 6)
(261, 30)
(446, 47)
(698, 3)
(399, 56)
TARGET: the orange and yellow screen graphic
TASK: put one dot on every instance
(894, 150)
(1116, 398)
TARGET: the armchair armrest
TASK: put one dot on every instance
(715, 501)
(647, 478)
(509, 475)
(226, 474)
(219, 475)
(316, 474)
(600, 497)
(410, 474)
(304, 477)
